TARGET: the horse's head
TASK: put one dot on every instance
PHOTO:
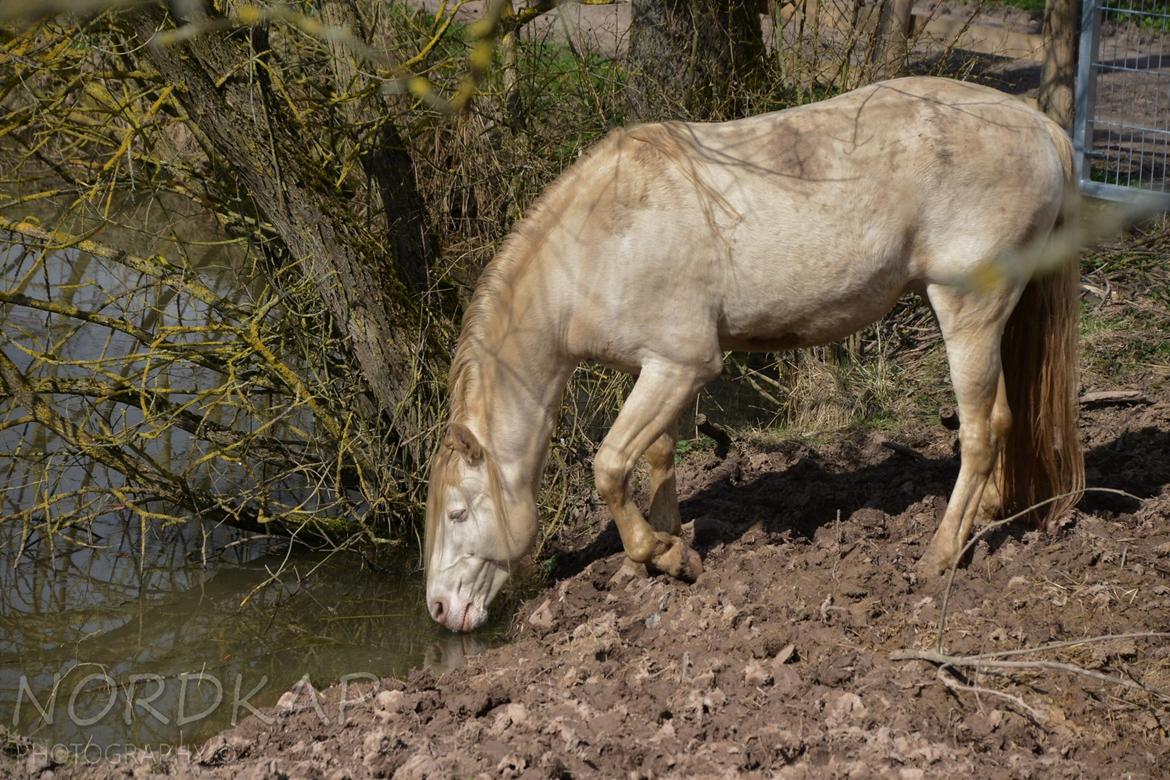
(470, 545)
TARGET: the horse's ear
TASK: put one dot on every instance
(463, 441)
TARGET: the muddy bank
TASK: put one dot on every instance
(778, 660)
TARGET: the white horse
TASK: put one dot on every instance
(670, 243)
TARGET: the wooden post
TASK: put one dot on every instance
(1058, 76)
(893, 37)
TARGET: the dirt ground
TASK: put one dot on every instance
(777, 662)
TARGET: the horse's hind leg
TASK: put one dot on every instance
(972, 325)
(991, 506)
(664, 514)
(662, 391)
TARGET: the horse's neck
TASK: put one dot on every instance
(521, 375)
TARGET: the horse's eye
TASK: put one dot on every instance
(457, 515)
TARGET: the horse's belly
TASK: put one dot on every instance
(786, 313)
(769, 333)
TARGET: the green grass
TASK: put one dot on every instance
(688, 447)
(1034, 7)
(1117, 344)
(555, 81)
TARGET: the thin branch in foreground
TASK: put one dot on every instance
(995, 660)
(984, 663)
(1089, 640)
(951, 682)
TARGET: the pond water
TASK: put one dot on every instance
(116, 632)
(204, 624)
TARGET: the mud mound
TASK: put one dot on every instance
(778, 660)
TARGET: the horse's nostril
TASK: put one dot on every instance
(438, 610)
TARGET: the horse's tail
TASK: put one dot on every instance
(1042, 455)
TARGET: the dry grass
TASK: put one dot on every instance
(1126, 293)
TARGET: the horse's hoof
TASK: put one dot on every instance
(934, 564)
(679, 561)
(627, 572)
(692, 565)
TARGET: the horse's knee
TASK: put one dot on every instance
(610, 474)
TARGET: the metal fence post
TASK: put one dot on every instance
(1086, 87)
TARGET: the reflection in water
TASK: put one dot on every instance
(162, 649)
(448, 652)
(139, 370)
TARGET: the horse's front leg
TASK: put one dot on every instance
(662, 391)
(664, 514)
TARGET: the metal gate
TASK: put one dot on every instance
(1122, 127)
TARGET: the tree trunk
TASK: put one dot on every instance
(272, 156)
(1058, 75)
(891, 44)
(385, 158)
(692, 59)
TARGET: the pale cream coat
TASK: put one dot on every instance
(668, 244)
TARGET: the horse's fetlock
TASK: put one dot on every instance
(641, 548)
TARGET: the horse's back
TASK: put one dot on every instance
(918, 152)
(800, 226)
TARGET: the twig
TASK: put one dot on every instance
(983, 662)
(1089, 640)
(996, 659)
(721, 437)
(1113, 397)
(902, 449)
(948, 680)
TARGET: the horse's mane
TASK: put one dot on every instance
(521, 247)
(464, 378)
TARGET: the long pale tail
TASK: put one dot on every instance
(1042, 455)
